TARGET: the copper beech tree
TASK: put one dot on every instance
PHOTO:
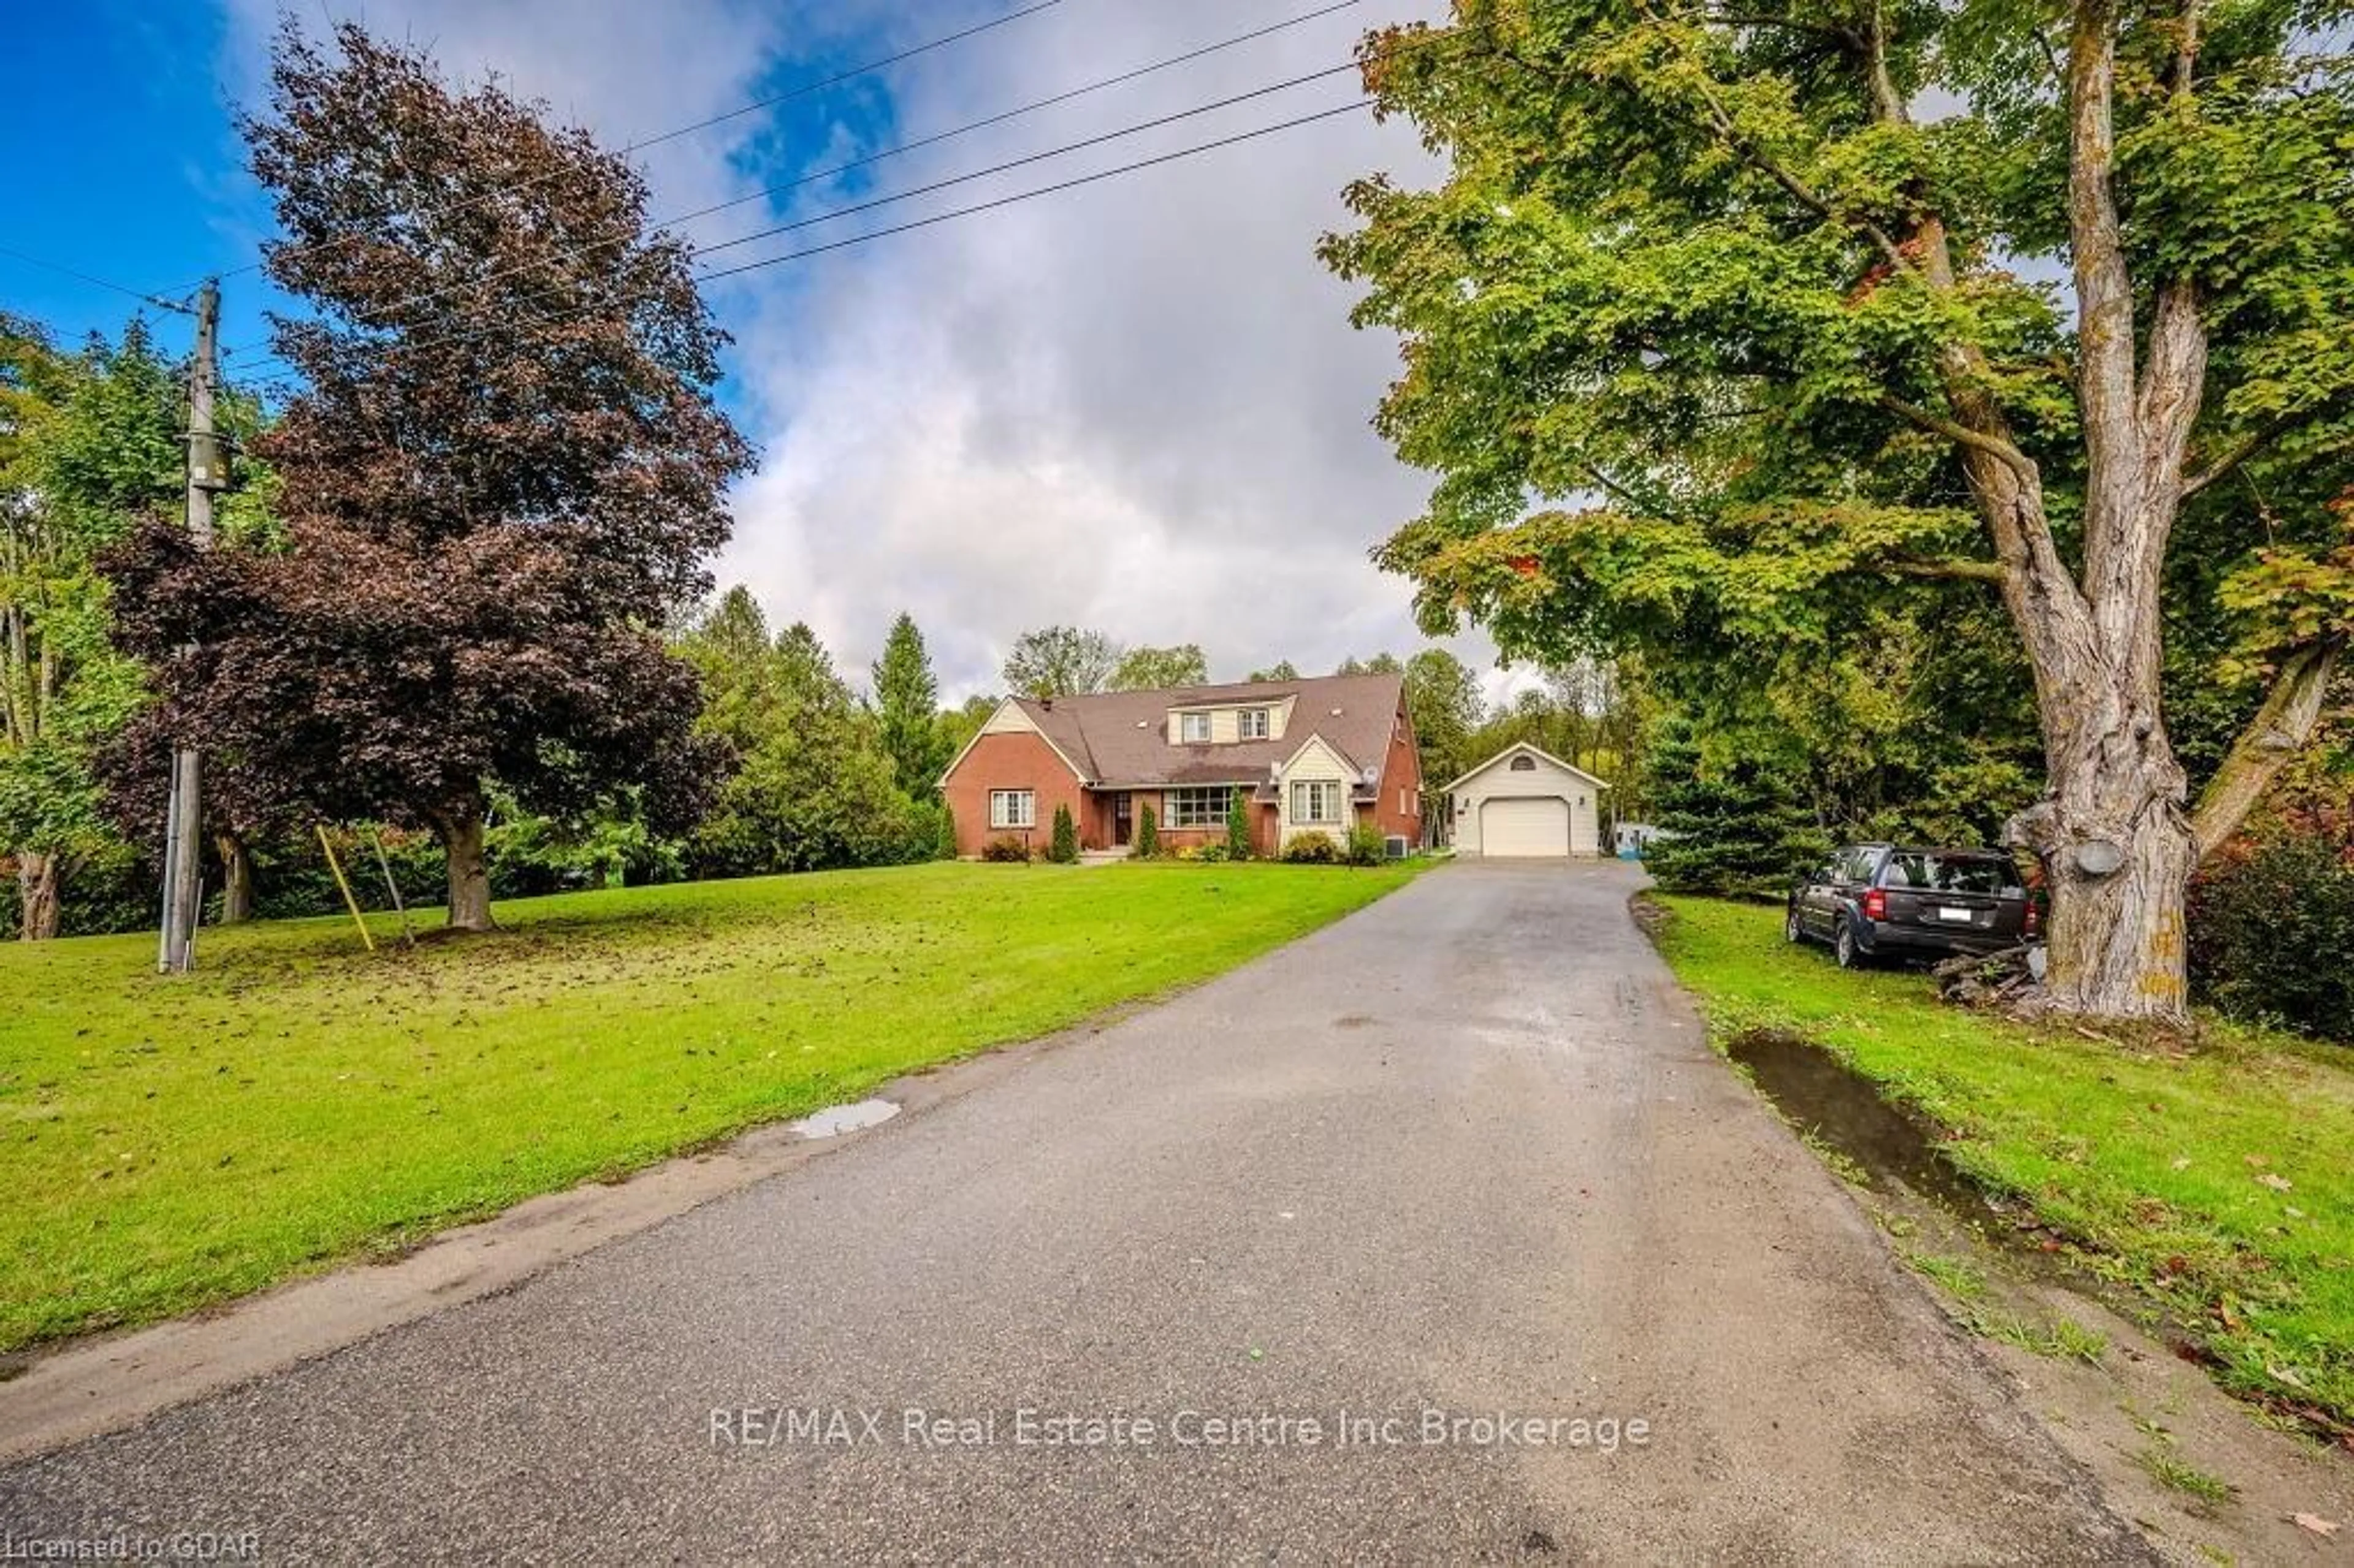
(499, 476)
(1725, 328)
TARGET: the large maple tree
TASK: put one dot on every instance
(1732, 323)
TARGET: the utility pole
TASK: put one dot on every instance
(207, 471)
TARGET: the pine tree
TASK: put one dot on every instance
(1148, 834)
(907, 702)
(1734, 831)
(1064, 849)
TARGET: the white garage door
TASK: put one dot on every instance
(1521, 829)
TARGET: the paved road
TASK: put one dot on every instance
(1464, 1151)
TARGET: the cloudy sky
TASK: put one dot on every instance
(1137, 406)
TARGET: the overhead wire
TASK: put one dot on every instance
(802, 90)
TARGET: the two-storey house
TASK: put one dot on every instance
(1314, 755)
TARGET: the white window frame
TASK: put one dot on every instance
(1186, 724)
(1190, 808)
(1256, 723)
(1313, 812)
(1012, 808)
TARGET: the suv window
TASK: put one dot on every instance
(1951, 873)
(1858, 864)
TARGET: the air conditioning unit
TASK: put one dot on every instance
(1396, 846)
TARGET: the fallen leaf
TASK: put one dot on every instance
(2277, 1184)
(2183, 1163)
(2287, 1375)
(2255, 1159)
(2313, 1522)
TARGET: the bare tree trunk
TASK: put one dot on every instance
(236, 879)
(460, 831)
(38, 879)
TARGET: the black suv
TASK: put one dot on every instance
(1871, 901)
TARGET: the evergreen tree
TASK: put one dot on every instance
(1733, 828)
(1148, 834)
(1063, 850)
(1239, 841)
(812, 788)
(906, 705)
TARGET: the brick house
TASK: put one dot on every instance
(1315, 756)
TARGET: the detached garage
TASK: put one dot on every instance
(1527, 804)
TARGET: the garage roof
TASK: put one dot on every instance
(1515, 749)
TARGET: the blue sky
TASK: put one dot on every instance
(1137, 406)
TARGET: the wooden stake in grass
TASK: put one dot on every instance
(376, 840)
(350, 902)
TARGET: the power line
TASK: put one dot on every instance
(934, 139)
(1125, 131)
(804, 90)
(838, 80)
(63, 270)
(700, 251)
(1015, 113)
(1356, 107)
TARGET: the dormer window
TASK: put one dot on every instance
(1193, 729)
(1523, 763)
(1255, 724)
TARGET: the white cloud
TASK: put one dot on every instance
(1137, 406)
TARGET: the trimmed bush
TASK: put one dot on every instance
(1148, 834)
(1064, 847)
(1238, 845)
(2272, 928)
(1313, 849)
(1366, 845)
(1007, 848)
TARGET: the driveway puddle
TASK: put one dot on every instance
(835, 1120)
(1815, 1091)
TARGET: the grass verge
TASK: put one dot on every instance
(2214, 1178)
(165, 1144)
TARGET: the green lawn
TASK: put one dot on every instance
(168, 1143)
(2218, 1179)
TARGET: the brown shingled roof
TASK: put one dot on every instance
(1121, 739)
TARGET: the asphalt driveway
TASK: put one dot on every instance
(1464, 1155)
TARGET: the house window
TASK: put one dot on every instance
(1316, 802)
(1013, 809)
(1199, 808)
(1255, 724)
(1523, 763)
(1192, 728)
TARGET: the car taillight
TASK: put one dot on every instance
(2034, 923)
(1875, 904)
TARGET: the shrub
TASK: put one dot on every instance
(1148, 834)
(1238, 845)
(1367, 846)
(1211, 852)
(1062, 849)
(1313, 849)
(2272, 928)
(1007, 848)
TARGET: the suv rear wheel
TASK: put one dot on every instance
(1843, 946)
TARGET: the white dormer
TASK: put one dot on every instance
(1229, 722)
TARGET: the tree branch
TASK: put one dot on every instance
(1952, 570)
(1979, 440)
(1764, 162)
(2271, 739)
(2233, 456)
